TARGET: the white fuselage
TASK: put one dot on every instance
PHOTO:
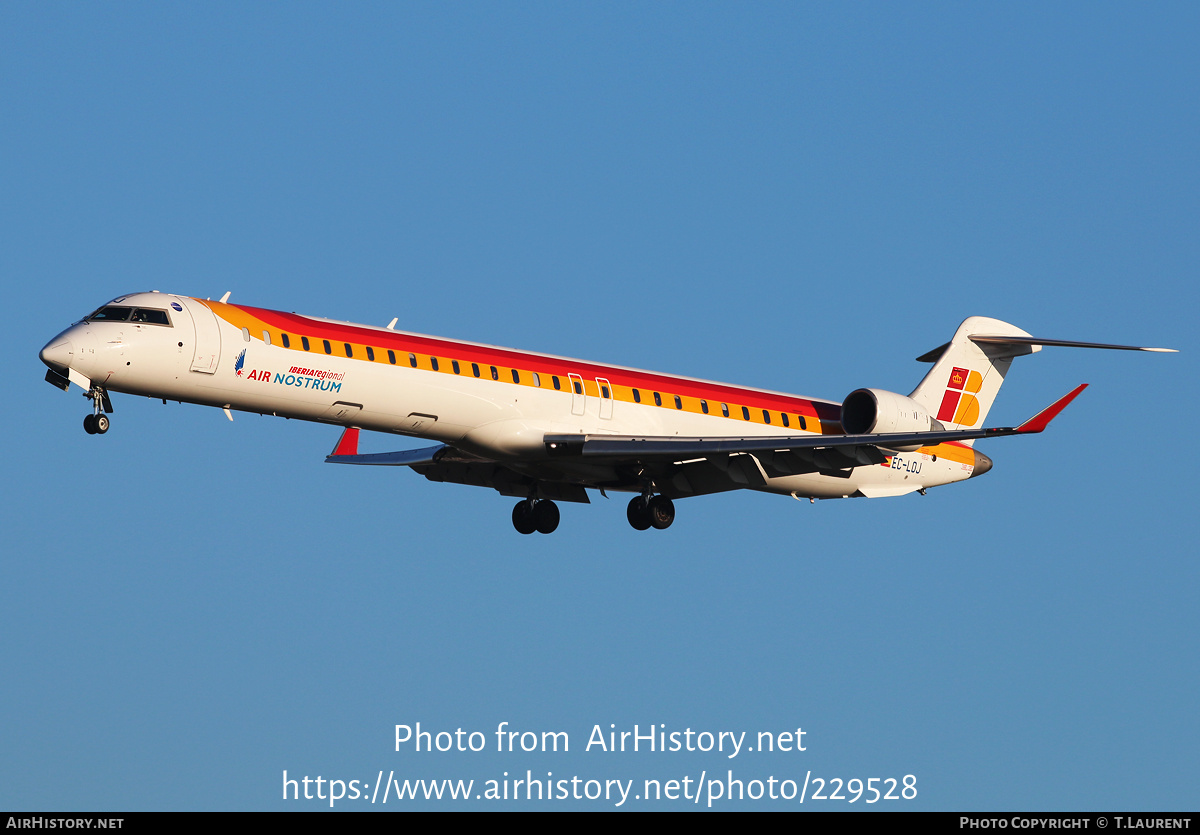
(491, 402)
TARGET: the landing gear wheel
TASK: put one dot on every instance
(662, 512)
(522, 518)
(97, 422)
(638, 513)
(545, 516)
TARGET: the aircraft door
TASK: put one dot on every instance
(578, 394)
(208, 337)
(606, 398)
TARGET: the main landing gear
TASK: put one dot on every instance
(535, 515)
(644, 512)
(650, 512)
(97, 423)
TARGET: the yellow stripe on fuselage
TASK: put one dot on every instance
(805, 413)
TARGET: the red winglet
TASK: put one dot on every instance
(348, 443)
(1042, 419)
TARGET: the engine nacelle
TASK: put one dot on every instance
(875, 411)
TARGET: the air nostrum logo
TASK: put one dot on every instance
(309, 378)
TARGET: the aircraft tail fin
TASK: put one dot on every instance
(966, 376)
(969, 369)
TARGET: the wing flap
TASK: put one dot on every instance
(506, 482)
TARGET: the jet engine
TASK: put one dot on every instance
(875, 411)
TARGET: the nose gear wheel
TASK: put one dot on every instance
(97, 423)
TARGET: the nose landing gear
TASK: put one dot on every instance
(97, 423)
(535, 515)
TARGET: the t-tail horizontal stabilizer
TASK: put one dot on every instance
(1060, 343)
(1035, 344)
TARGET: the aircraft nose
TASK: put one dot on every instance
(58, 353)
(982, 463)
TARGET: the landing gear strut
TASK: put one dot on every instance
(534, 515)
(97, 423)
(650, 512)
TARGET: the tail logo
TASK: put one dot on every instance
(959, 406)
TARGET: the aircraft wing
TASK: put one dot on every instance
(681, 466)
(447, 464)
(856, 449)
(403, 458)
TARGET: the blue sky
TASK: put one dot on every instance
(799, 197)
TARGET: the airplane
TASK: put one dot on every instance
(545, 428)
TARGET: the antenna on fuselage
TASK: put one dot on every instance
(392, 324)
(225, 297)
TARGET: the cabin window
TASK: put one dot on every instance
(475, 368)
(578, 386)
(557, 384)
(266, 337)
(783, 416)
(328, 347)
(287, 343)
(745, 413)
(725, 409)
(537, 380)
(454, 365)
(304, 342)
(349, 350)
(433, 363)
(246, 335)
(766, 416)
(604, 391)
(370, 353)
(803, 423)
(637, 396)
(657, 399)
(495, 373)
(516, 376)
(704, 406)
(412, 360)
(678, 402)
(391, 356)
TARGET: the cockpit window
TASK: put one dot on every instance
(150, 316)
(141, 315)
(111, 313)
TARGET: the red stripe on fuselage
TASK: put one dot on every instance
(293, 323)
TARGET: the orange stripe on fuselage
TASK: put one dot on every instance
(955, 452)
(822, 417)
